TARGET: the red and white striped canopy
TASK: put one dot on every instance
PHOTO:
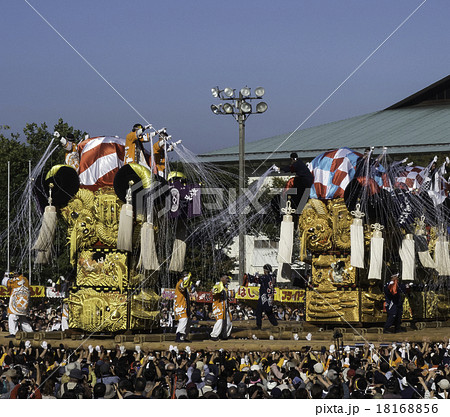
(100, 159)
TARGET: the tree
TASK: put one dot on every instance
(19, 153)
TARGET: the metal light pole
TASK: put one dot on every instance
(240, 108)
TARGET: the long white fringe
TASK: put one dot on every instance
(178, 254)
(149, 258)
(407, 255)
(125, 234)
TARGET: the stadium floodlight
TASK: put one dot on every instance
(259, 92)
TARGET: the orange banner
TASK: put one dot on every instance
(35, 291)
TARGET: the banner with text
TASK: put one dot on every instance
(281, 294)
(35, 291)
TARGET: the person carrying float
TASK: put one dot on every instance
(134, 150)
(222, 327)
(70, 146)
(182, 308)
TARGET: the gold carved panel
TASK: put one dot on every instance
(96, 311)
(332, 306)
(102, 267)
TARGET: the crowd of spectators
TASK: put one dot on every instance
(353, 372)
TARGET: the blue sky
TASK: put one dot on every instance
(164, 57)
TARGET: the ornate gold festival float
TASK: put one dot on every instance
(112, 291)
(347, 289)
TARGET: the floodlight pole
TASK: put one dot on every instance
(240, 116)
(241, 121)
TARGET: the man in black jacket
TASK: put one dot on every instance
(266, 294)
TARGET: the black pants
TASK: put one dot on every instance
(394, 319)
(269, 312)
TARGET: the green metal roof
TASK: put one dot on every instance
(403, 130)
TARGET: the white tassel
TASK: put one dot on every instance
(125, 234)
(48, 227)
(422, 246)
(376, 252)
(149, 258)
(357, 239)
(42, 257)
(426, 260)
(407, 255)
(442, 257)
(178, 254)
(286, 235)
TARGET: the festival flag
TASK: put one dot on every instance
(332, 172)
(100, 159)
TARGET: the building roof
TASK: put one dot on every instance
(420, 123)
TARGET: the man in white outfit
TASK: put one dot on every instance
(19, 290)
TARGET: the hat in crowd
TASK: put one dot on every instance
(210, 379)
(12, 373)
(318, 368)
(444, 383)
(297, 381)
(271, 385)
(332, 374)
(200, 365)
(109, 393)
(70, 367)
(76, 374)
(255, 368)
(348, 373)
